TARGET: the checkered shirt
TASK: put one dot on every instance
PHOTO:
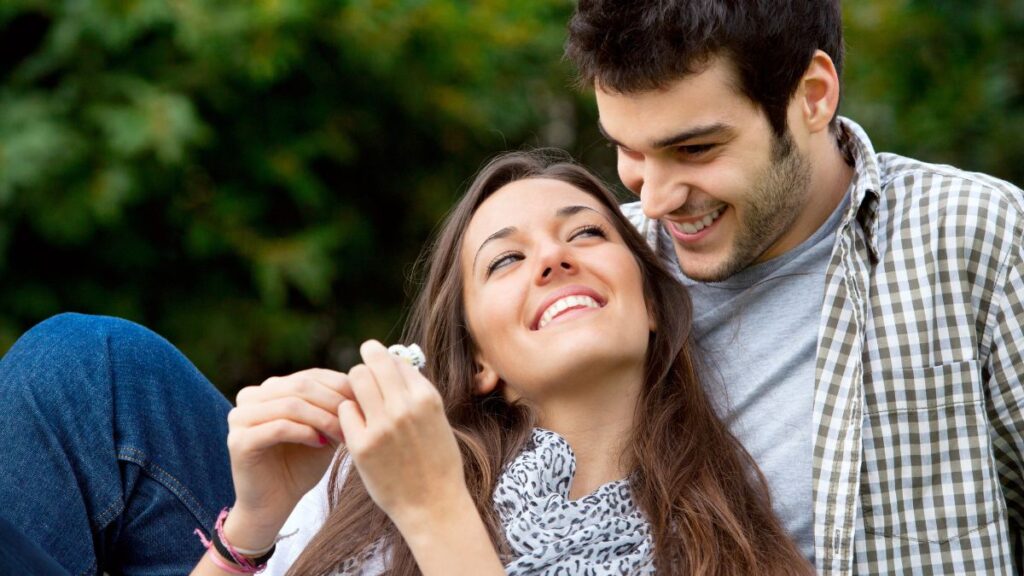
(918, 424)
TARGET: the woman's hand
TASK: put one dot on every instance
(281, 437)
(406, 454)
(400, 440)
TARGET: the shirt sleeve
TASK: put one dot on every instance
(1005, 397)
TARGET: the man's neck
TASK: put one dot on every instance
(831, 176)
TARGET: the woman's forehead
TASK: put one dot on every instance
(525, 202)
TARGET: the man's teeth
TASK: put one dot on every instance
(694, 227)
(563, 304)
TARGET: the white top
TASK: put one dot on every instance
(600, 534)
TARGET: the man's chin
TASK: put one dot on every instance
(708, 269)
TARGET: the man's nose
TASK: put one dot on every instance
(661, 192)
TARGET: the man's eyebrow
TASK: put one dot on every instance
(715, 129)
(563, 212)
(607, 136)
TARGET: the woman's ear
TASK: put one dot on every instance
(485, 379)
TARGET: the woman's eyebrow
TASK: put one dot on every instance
(563, 212)
(503, 233)
(568, 211)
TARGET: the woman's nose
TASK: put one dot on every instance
(553, 259)
(561, 265)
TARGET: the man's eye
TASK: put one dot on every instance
(502, 260)
(627, 152)
(696, 149)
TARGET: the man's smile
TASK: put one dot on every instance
(696, 229)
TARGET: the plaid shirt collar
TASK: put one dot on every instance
(866, 183)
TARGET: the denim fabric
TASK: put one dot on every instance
(114, 447)
(19, 555)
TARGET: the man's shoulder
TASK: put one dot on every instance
(633, 212)
(649, 229)
(905, 179)
(935, 208)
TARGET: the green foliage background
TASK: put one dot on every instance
(254, 180)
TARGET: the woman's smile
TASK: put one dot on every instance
(566, 303)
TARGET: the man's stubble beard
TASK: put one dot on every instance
(770, 211)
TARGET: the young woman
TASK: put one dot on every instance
(559, 426)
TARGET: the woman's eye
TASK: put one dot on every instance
(502, 260)
(591, 230)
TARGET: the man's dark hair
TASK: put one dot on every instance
(630, 46)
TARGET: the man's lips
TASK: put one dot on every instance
(693, 229)
(562, 300)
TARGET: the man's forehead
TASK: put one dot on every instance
(691, 104)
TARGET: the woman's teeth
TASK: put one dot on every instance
(694, 227)
(563, 304)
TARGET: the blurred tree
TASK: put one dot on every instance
(940, 80)
(254, 179)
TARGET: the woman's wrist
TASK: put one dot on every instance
(439, 512)
(224, 556)
(435, 536)
(251, 531)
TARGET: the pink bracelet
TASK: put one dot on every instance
(217, 560)
(224, 554)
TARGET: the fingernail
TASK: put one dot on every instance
(323, 439)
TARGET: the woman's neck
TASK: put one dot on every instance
(597, 422)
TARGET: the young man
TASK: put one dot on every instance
(865, 311)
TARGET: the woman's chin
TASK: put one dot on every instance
(579, 366)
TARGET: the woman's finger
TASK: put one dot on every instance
(315, 386)
(290, 408)
(336, 381)
(353, 423)
(385, 371)
(270, 434)
(412, 376)
(367, 393)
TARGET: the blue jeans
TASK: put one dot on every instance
(114, 447)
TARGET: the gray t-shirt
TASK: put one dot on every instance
(759, 329)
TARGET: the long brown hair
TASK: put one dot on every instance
(706, 502)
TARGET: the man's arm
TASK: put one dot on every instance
(1005, 393)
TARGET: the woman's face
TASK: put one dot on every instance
(553, 295)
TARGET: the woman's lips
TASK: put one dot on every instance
(564, 307)
(563, 300)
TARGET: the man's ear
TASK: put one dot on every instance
(819, 92)
(485, 379)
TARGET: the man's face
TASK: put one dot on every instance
(704, 160)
